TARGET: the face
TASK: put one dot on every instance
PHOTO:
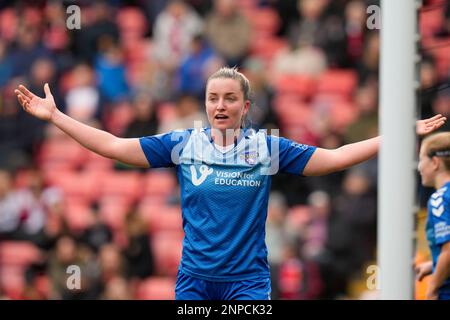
(426, 169)
(225, 105)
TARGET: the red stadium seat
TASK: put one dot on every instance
(166, 112)
(300, 85)
(81, 186)
(167, 249)
(341, 115)
(156, 288)
(267, 47)
(118, 118)
(78, 216)
(159, 183)
(113, 211)
(295, 114)
(12, 281)
(18, 253)
(341, 82)
(122, 184)
(161, 217)
(65, 152)
(264, 22)
(97, 162)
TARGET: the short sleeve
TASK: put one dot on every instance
(441, 217)
(291, 156)
(163, 150)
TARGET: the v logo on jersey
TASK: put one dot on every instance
(205, 171)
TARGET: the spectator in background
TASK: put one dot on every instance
(83, 98)
(228, 31)
(366, 125)
(145, 122)
(188, 112)
(352, 235)
(110, 71)
(138, 252)
(112, 264)
(261, 115)
(368, 65)
(95, 24)
(172, 34)
(316, 231)
(5, 63)
(196, 67)
(16, 144)
(68, 253)
(24, 212)
(276, 237)
(442, 104)
(29, 48)
(302, 58)
(429, 84)
(98, 234)
(117, 289)
(308, 28)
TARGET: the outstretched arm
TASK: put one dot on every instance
(324, 161)
(125, 150)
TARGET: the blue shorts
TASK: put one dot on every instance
(190, 288)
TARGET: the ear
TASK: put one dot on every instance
(246, 106)
(436, 163)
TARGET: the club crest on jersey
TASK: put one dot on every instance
(250, 157)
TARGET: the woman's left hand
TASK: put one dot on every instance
(429, 125)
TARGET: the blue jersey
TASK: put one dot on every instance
(224, 197)
(438, 227)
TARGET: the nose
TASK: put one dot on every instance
(221, 105)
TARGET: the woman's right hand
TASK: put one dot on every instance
(42, 108)
(423, 269)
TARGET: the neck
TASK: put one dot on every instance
(225, 137)
(441, 180)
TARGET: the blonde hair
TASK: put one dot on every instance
(438, 144)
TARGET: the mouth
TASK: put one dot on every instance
(221, 117)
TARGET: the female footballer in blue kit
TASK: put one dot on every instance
(434, 168)
(224, 172)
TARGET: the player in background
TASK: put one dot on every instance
(434, 168)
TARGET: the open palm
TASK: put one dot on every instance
(42, 108)
(429, 125)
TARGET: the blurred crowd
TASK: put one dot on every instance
(138, 68)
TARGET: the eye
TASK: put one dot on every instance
(212, 99)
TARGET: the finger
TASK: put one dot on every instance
(21, 101)
(26, 92)
(18, 93)
(47, 90)
(438, 124)
(433, 118)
